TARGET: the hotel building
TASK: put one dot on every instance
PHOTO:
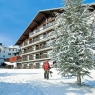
(33, 43)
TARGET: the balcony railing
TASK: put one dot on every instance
(36, 48)
(30, 41)
(30, 50)
(44, 36)
(25, 51)
(25, 59)
(44, 27)
(37, 30)
(42, 47)
(19, 60)
(30, 58)
(31, 33)
(25, 43)
(36, 39)
(42, 56)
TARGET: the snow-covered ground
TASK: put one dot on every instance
(32, 82)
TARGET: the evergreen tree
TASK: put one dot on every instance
(74, 39)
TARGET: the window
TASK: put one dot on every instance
(44, 45)
(37, 30)
(37, 56)
(44, 26)
(37, 65)
(9, 53)
(44, 35)
(3, 55)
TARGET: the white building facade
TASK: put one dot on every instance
(7, 52)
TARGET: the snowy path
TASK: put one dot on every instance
(31, 82)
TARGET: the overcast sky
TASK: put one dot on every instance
(16, 15)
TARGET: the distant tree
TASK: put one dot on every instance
(74, 40)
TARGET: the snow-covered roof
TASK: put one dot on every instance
(13, 47)
(9, 63)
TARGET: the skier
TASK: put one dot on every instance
(46, 67)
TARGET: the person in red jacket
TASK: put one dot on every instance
(46, 67)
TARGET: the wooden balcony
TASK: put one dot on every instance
(19, 60)
(37, 48)
(24, 58)
(44, 27)
(25, 51)
(31, 33)
(42, 56)
(36, 39)
(25, 43)
(37, 30)
(30, 57)
(30, 41)
(30, 50)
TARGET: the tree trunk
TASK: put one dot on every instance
(79, 79)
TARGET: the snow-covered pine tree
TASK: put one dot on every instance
(74, 38)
